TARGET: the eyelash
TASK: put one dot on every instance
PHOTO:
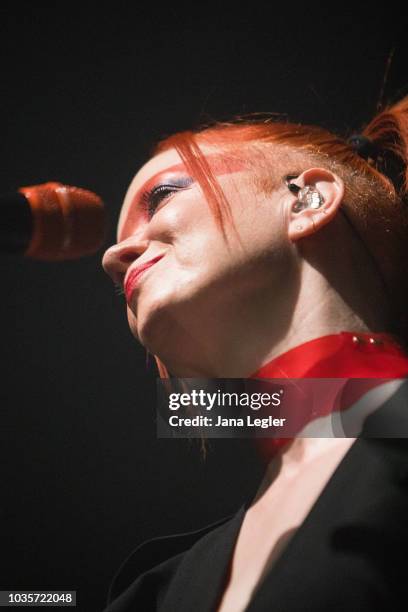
(151, 199)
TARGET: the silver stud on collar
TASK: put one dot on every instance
(357, 340)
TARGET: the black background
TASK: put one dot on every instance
(84, 479)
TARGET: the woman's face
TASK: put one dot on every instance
(204, 290)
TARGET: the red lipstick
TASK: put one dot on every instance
(134, 274)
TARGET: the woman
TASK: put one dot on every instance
(290, 241)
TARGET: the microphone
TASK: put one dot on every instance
(52, 222)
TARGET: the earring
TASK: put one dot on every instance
(308, 197)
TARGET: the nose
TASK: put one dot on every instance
(117, 259)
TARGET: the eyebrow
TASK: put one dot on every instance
(220, 165)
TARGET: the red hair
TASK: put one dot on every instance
(375, 197)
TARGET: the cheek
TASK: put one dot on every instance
(194, 234)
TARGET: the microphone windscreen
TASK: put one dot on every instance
(68, 222)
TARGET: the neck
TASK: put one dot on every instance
(313, 296)
(319, 310)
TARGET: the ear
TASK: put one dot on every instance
(309, 220)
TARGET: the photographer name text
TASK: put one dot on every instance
(205, 421)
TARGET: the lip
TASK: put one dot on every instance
(134, 274)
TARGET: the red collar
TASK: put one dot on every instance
(342, 355)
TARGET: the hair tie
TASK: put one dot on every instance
(363, 146)
(389, 164)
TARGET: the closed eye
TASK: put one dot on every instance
(151, 199)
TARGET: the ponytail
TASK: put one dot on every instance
(389, 133)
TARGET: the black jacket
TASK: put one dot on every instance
(348, 555)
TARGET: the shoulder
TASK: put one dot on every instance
(161, 554)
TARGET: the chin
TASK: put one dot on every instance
(155, 325)
(159, 316)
